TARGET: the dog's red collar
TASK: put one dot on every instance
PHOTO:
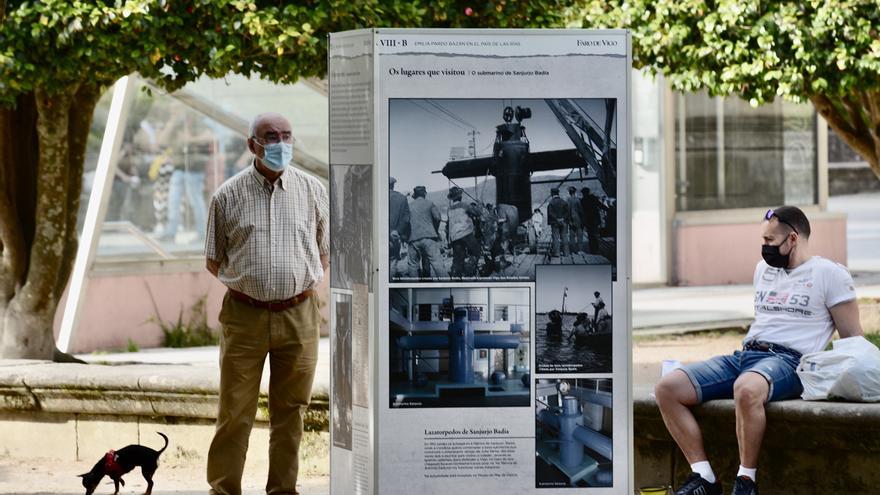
(111, 466)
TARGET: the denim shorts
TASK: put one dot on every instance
(713, 379)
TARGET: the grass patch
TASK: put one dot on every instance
(190, 329)
(132, 346)
(869, 314)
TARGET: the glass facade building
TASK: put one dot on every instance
(176, 149)
(729, 155)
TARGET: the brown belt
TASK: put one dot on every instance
(271, 305)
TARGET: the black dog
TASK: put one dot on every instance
(117, 463)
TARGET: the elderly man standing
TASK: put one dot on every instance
(267, 241)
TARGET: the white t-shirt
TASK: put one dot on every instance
(792, 306)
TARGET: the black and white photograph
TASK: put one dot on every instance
(573, 319)
(342, 419)
(459, 347)
(574, 433)
(474, 196)
(351, 201)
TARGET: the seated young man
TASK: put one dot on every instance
(799, 300)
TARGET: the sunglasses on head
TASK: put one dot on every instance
(770, 214)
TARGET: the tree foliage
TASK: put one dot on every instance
(53, 44)
(824, 51)
(57, 56)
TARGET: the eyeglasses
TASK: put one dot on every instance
(275, 138)
(770, 214)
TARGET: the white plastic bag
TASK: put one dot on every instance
(850, 371)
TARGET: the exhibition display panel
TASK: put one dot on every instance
(480, 261)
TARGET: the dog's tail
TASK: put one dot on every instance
(166, 441)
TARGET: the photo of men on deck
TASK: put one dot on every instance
(472, 196)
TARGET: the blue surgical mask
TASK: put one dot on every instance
(277, 156)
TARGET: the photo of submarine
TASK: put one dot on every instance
(548, 196)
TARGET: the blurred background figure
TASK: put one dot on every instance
(191, 159)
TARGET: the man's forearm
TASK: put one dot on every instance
(846, 319)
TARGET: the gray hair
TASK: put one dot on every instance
(252, 128)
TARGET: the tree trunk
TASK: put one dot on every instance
(18, 162)
(27, 333)
(856, 119)
(82, 109)
(43, 149)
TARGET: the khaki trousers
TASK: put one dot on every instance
(290, 339)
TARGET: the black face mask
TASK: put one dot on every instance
(773, 257)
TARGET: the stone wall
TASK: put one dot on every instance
(75, 412)
(809, 447)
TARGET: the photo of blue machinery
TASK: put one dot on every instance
(459, 347)
(573, 433)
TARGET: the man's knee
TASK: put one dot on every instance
(750, 389)
(675, 387)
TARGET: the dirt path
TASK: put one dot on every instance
(38, 478)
